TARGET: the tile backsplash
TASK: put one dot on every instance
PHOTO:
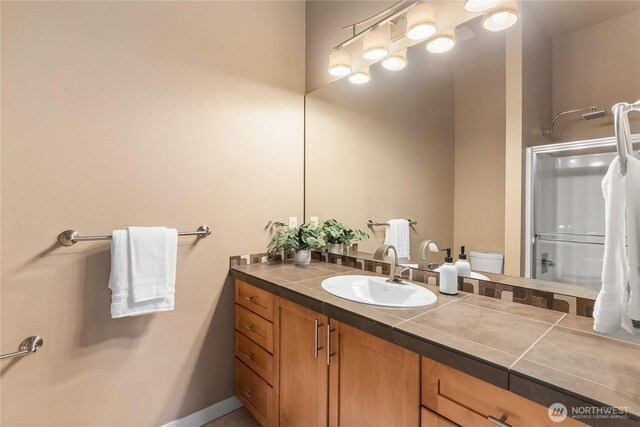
(518, 294)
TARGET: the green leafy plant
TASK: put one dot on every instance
(338, 233)
(285, 239)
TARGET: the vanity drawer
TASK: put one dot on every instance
(254, 393)
(466, 400)
(254, 357)
(258, 329)
(254, 299)
(431, 419)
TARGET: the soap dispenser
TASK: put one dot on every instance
(463, 266)
(448, 275)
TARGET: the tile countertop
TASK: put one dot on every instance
(543, 355)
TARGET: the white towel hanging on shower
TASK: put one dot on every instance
(633, 235)
(611, 307)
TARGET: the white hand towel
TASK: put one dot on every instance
(121, 285)
(611, 305)
(119, 278)
(633, 235)
(152, 254)
(398, 235)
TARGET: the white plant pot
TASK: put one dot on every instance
(303, 257)
(335, 248)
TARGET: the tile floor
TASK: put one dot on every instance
(238, 418)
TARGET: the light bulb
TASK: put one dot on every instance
(500, 19)
(339, 63)
(421, 32)
(421, 22)
(360, 77)
(481, 5)
(375, 45)
(396, 62)
(442, 43)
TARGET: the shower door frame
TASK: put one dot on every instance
(530, 175)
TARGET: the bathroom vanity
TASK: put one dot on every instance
(306, 357)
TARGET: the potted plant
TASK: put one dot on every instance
(301, 240)
(338, 236)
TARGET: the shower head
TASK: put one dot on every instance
(595, 113)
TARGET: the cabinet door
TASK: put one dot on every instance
(303, 373)
(372, 382)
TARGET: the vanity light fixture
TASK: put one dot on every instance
(339, 63)
(360, 77)
(442, 42)
(396, 62)
(475, 6)
(421, 22)
(500, 19)
(375, 45)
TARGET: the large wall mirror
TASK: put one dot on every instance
(462, 142)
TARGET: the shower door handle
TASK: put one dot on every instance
(546, 263)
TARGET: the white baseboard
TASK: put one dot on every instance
(207, 414)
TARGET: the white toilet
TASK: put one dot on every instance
(489, 262)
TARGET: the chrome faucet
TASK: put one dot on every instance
(383, 251)
(432, 246)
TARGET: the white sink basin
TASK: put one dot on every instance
(377, 291)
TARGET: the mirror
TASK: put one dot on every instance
(461, 143)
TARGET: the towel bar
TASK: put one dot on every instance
(71, 237)
(28, 346)
(376, 224)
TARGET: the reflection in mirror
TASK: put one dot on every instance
(444, 140)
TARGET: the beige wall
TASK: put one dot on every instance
(138, 113)
(384, 150)
(480, 152)
(599, 65)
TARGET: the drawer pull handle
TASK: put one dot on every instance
(247, 393)
(249, 327)
(250, 299)
(329, 354)
(248, 356)
(315, 351)
(499, 422)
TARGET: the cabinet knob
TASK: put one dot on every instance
(247, 393)
(249, 298)
(499, 422)
(248, 356)
(248, 327)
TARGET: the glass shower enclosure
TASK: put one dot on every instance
(564, 215)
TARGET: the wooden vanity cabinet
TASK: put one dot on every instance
(296, 367)
(302, 365)
(254, 342)
(468, 401)
(338, 382)
(372, 382)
